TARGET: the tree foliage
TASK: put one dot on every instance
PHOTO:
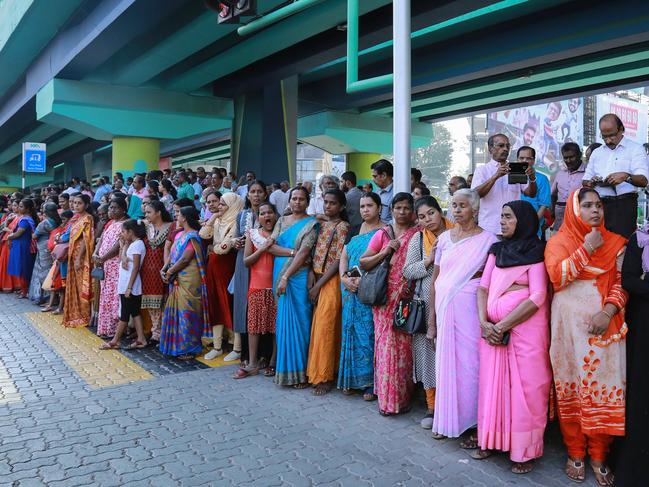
(434, 161)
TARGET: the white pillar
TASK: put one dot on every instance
(401, 55)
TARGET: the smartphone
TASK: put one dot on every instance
(517, 173)
(506, 337)
(354, 272)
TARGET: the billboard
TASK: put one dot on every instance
(632, 114)
(545, 127)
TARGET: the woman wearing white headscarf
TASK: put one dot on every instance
(220, 229)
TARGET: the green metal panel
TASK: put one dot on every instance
(579, 80)
(269, 41)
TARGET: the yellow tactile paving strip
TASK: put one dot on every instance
(8, 391)
(79, 348)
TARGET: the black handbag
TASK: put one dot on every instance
(410, 313)
(373, 288)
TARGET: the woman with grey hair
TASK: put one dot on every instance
(454, 322)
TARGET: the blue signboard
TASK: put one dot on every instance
(34, 157)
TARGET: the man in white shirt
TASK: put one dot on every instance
(279, 197)
(316, 206)
(243, 189)
(616, 170)
(493, 188)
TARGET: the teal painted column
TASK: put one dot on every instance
(264, 132)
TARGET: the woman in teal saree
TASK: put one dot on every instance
(294, 237)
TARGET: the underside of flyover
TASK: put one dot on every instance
(141, 57)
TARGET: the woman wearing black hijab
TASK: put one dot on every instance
(515, 374)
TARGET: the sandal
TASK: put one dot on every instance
(471, 443)
(47, 309)
(576, 470)
(270, 371)
(136, 345)
(480, 454)
(243, 373)
(603, 475)
(322, 389)
(368, 394)
(523, 467)
(185, 357)
(301, 385)
(438, 436)
(109, 346)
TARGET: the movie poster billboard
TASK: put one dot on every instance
(545, 127)
(632, 114)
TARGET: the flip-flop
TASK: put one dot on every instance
(578, 465)
(136, 345)
(109, 346)
(243, 373)
(521, 468)
(479, 454)
(604, 471)
(270, 371)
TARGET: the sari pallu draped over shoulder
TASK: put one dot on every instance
(458, 331)
(294, 310)
(78, 294)
(601, 265)
(185, 318)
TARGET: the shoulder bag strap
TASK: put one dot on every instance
(331, 239)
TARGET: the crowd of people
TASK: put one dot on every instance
(502, 330)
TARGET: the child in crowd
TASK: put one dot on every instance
(54, 282)
(261, 302)
(129, 286)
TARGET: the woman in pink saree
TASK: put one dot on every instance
(515, 374)
(459, 260)
(392, 349)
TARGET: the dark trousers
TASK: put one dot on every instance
(621, 214)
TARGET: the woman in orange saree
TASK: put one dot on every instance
(7, 226)
(588, 343)
(78, 284)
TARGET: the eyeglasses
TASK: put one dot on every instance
(606, 137)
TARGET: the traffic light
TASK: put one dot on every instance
(230, 11)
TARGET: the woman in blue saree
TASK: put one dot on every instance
(21, 257)
(294, 237)
(185, 319)
(356, 370)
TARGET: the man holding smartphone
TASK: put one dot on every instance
(494, 189)
(616, 170)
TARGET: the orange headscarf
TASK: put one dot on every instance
(570, 237)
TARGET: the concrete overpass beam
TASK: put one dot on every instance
(105, 111)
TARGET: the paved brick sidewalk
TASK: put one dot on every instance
(201, 427)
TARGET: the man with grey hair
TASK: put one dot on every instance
(316, 206)
(494, 189)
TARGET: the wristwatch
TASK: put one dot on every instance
(629, 179)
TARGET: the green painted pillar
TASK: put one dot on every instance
(135, 154)
(360, 163)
